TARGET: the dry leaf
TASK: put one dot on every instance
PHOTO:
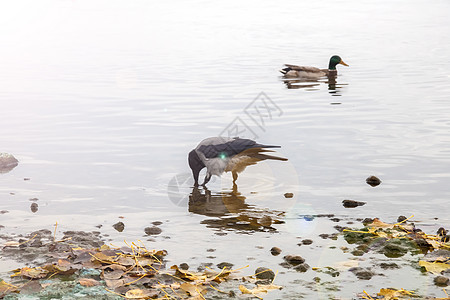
(389, 294)
(136, 294)
(33, 273)
(434, 267)
(193, 290)
(88, 282)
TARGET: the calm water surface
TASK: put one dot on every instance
(101, 102)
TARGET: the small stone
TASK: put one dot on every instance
(265, 221)
(156, 223)
(401, 219)
(441, 231)
(184, 266)
(34, 207)
(152, 230)
(367, 221)
(119, 226)
(445, 239)
(33, 199)
(441, 281)
(361, 273)
(373, 181)
(226, 265)
(387, 266)
(264, 273)
(275, 251)
(352, 203)
(307, 242)
(294, 259)
(288, 195)
(335, 220)
(210, 250)
(302, 267)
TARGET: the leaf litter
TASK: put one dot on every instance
(129, 272)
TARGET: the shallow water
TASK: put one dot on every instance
(101, 102)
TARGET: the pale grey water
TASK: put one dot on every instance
(102, 100)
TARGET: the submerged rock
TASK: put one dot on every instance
(7, 162)
(352, 203)
(119, 226)
(288, 195)
(373, 181)
(441, 281)
(361, 273)
(294, 259)
(264, 273)
(152, 230)
(275, 251)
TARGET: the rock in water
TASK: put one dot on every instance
(7, 162)
(373, 181)
(352, 203)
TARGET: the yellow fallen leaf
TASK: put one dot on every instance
(434, 267)
(136, 294)
(32, 273)
(389, 294)
(259, 289)
(193, 290)
(88, 282)
(379, 224)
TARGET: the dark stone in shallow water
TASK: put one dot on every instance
(119, 226)
(401, 219)
(373, 181)
(264, 273)
(352, 203)
(294, 259)
(226, 265)
(275, 251)
(361, 273)
(152, 230)
(302, 267)
(441, 281)
(387, 266)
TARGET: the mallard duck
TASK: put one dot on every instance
(302, 71)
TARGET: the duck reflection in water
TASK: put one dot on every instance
(313, 84)
(230, 211)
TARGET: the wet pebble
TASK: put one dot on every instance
(401, 219)
(361, 273)
(441, 281)
(152, 230)
(352, 203)
(294, 259)
(302, 267)
(288, 195)
(265, 221)
(373, 181)
(210, 250)
(34, 207)
(367, 221)
(387, 266)
(441, 231)
(307, 242)
(227, 265)
(119, 226)
(264, 273)
(335, 219)
(275, 251)
(184, 266)
(156, 223)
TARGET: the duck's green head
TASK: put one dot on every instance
(335, 60)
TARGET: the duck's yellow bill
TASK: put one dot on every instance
(343, 63)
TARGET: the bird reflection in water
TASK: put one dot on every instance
(230, 211)
(314, 84)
